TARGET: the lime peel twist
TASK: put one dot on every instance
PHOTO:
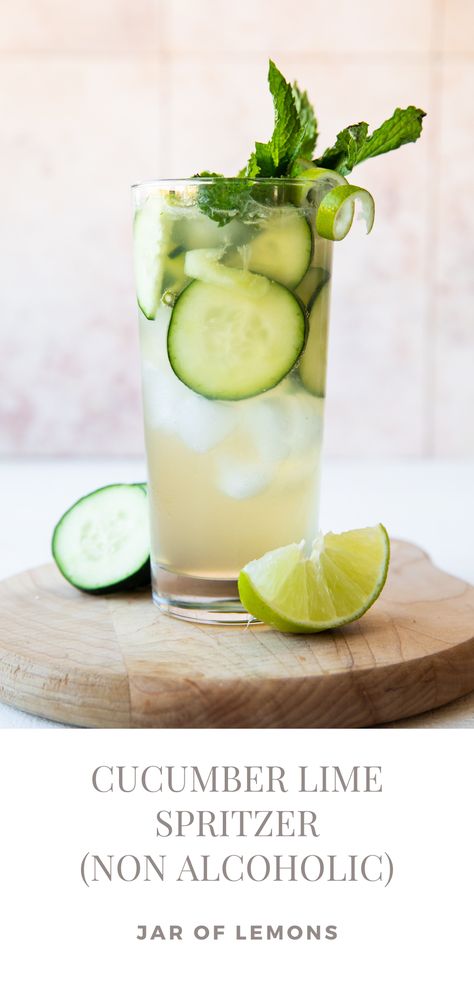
(335, 213)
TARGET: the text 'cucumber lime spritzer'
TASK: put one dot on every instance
(233, 279)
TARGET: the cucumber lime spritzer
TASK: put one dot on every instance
(233, 281)
(233, 324)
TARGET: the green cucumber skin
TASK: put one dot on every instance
(169, 282)
(136, 223)
(136, 581)
(177, 251)
(318, 390)
(311, 250)
(241, 397)
(291, 284)
(322, 276)
(324, 280)
(150, 317)
(139, 579)
(255, 393)
(267, 270)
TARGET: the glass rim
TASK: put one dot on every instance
(168, 183)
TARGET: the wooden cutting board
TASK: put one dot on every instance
(116, 661)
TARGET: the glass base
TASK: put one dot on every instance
(198, 599)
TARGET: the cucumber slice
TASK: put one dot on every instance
(281, 251)
(101, 544)
(197, 231)
(312, 282)
(151, 241)
(173, 277)
(227, 344)
(312, 368)
(205, 265)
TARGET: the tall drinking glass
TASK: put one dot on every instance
(233, 310)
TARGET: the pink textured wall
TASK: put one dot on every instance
(96, 96)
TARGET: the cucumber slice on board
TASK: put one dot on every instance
(151, 243)
(102, 544)
(312, 367)
(281, 251)
(227, 344)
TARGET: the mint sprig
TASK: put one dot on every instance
(353, 145)
(289, 150)
(294, 133)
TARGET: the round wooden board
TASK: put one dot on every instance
(115, 661)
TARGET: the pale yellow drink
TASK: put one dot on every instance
(228, 479)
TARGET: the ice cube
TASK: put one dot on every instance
(202, 424)
(153, 338)
(283, 423)
(240, 479)
(173, 407)
(305, 414)
(161, 397)
(269, 426)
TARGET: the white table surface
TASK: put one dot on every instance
(429, 502)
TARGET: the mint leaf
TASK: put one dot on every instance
(342, 156)
(205, 172)
(294, 132)
(402, 127)
(251, 170)
(262, 159)
(353, 144)
(222, 199)
(307, 120)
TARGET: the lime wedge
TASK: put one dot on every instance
(335, 584)
(336, 211)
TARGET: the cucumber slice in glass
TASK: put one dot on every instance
(311, 284)
(151, 238)
(281, 251)
(228, 344)
(101, 544)
(312, 367)
(174, 277)
(205, 265)
(200, 232)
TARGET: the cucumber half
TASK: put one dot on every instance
(101, 544)
(228, 344)
(281, 251)
(312, 368)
